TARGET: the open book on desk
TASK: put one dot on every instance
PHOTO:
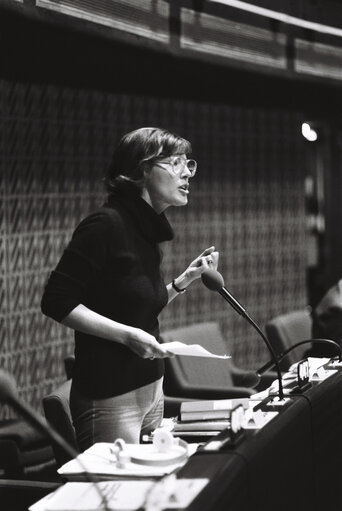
(214, 425)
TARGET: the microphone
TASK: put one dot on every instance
(280, 357)
(213, 280)
(8, 394)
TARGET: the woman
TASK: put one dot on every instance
(108, 288)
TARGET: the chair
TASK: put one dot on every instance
(57, 412)
(69, 366)
(285, 330)
(18, 495)
(25, 452)
(327, 321)
(204, 378)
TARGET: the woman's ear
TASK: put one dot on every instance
(146, 168)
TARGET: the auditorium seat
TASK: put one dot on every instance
(18, 495)
(204, 378)
(24, 451)
(69, 365)
(285, 330)
(57, 412)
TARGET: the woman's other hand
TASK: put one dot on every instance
(145, 345)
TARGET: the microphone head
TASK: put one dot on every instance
(213, 280)
(8, 388)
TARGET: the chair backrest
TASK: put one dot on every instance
(20, 494)
(286, 330)
(197, 370)
(69, 363)
(57, 412)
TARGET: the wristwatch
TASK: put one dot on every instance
(176, 288)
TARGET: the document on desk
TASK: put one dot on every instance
(121, 495)
(190, 350)
(314, 364)
(98, 459)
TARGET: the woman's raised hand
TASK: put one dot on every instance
(207, 259)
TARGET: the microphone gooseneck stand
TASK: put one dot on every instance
(283, 354)
(271, 350)
(213, 280)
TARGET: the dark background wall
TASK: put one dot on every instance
(66, 97)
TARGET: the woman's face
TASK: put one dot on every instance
(167, 182)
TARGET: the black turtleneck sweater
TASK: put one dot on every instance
(112, 266)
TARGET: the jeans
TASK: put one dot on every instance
(128, 416)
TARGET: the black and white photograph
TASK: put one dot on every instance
(170, 255)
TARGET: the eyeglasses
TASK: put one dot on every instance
(178, 165)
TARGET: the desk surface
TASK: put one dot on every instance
(293, 462)
(259, 472)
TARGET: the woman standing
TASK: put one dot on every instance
(108, 287)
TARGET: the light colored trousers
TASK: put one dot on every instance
(128, 416)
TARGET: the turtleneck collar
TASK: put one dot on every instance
(154, 227)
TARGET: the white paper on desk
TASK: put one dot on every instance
(190, 350)
(121, 495)
(99, 460)
(257, 419)
(314, 364)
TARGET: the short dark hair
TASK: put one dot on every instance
(139, 147)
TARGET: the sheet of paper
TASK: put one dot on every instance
(258, 419)
(321, 374)
(121, 495)
(190, 350)
(314, 363)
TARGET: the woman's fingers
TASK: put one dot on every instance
(210, 261)
(207, 252)
(146, 346)
(215, 256)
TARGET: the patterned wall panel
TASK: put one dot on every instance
(247, 200)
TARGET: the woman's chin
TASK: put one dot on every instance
(181, 202)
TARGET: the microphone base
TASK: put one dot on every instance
(299, 389)
(223, 441)
(273, 403)
(334, 364)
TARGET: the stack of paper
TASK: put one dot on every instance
(206, 417)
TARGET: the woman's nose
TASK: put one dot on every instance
(186, 171)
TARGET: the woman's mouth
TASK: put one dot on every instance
(184, 188)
